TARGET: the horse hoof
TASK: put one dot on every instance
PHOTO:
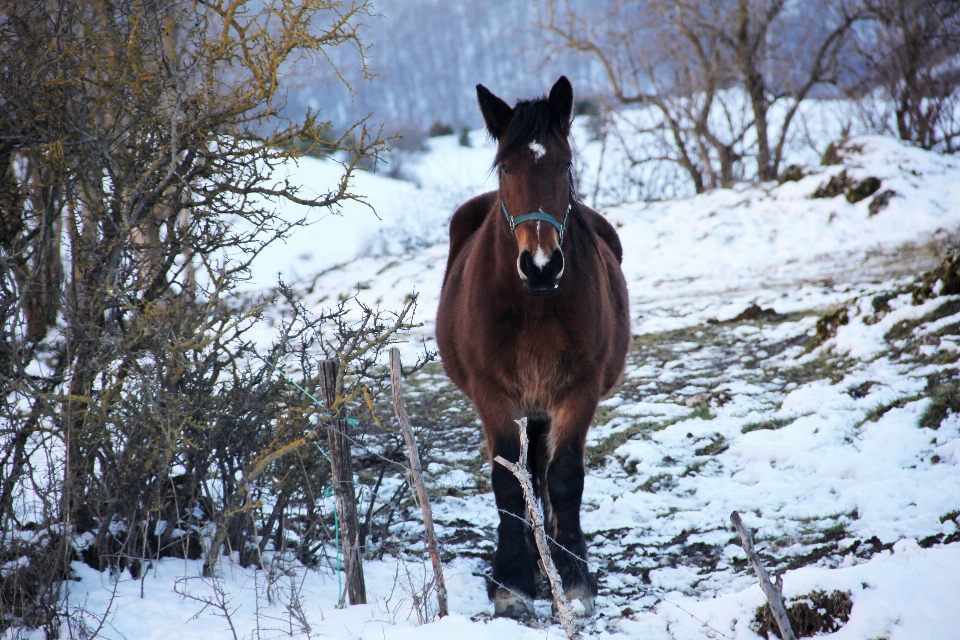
(507, 604)
(581, 599)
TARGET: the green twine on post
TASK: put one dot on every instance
(329, 490)
(352, 421)
(336, 536)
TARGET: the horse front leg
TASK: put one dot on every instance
(513, 585)
(564, 493)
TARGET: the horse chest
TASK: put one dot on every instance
(537, 359)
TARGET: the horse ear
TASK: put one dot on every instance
(561, 103)
(497, 114)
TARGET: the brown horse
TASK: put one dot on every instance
(533, 321)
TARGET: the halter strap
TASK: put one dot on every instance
(536, 215)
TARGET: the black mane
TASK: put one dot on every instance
(532, 120)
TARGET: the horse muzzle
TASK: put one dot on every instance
(540, 273)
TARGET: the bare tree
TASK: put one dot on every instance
(721, 80)
(911, 50)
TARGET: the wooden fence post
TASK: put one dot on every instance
(414, 454)
(341, 465)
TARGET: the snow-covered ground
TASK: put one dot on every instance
(816, 441)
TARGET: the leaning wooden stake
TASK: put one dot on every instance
(536, 520)
(341, 468)
(414, 453)
(772, 593)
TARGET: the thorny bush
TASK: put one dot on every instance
(138, 146)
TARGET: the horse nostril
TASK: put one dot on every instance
(525, 265)
(540, 273)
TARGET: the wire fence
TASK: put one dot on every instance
(408, 472)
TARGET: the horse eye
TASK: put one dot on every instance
(503, 167)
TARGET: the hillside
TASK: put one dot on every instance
(779, 367)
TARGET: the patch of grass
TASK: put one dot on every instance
(882, 302)
(694, 468)
(608, 445)
(660, 482)
(602, 416)
(948, 274)
(826, 366)
(828, 324)
(718, 444)
(772, 424)
(809, 615)
(903, 330)
(863, 189)
(861, 390)
(941, 538)
(944, 400)
(880, 410)
(702, 412)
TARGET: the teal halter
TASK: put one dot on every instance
(537, 215)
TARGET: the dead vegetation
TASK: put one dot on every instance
(828, 324)
(809, 615)
(854, 190)
(941, 281)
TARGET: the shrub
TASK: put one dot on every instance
(130, 369)
(438, 129)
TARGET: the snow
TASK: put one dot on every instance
(711, 256)
(820, 465)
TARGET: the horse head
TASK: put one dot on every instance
(533, 164)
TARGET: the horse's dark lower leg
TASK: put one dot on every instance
(513, 587)
(569, 549)
(538, 458)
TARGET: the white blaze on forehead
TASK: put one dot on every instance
(538, 150)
